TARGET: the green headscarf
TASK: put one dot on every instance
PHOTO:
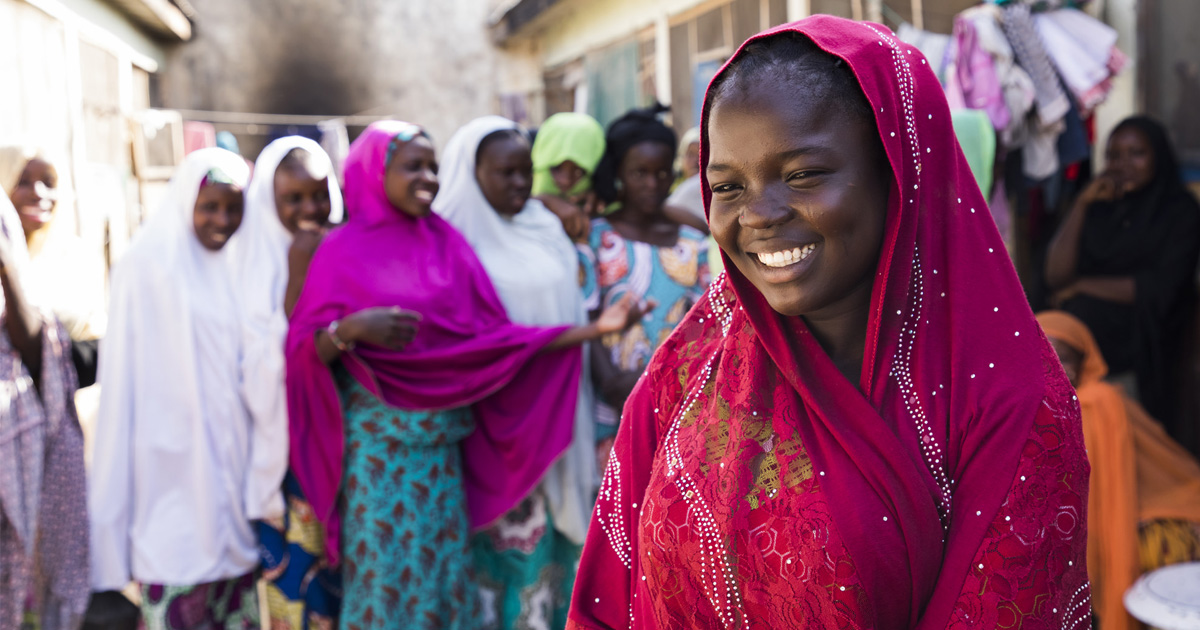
(566, 136)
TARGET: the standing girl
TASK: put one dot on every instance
(526, 560)
(290, 204)
(174, 439)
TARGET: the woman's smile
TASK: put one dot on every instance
(781, 265)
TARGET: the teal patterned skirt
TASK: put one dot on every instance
(405, 547)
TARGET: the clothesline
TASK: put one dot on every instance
(249, 118)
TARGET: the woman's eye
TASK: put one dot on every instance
(724, 188)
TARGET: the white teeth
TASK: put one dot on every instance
(787, 257)
(424, 195)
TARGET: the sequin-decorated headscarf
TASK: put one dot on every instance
(918, 459)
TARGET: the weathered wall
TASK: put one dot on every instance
(427, 61)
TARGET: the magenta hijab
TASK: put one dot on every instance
(955, 368)
(466, 352)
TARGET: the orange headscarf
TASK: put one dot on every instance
(1139, 474)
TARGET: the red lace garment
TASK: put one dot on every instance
(668, 549)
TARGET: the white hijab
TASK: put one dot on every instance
(172, 436)
(260, 260)
(535, 269)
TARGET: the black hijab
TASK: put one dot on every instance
(1153, 235)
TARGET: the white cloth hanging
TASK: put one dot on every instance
(1084, 50)
(535, 269)
(260, 263)
(172, 449)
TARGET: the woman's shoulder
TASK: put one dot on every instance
(599, 227)
(687, 232)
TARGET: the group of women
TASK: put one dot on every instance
(380, 393)
(392, 397)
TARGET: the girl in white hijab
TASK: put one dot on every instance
(291, 201)
(170, 500)
(486, 179)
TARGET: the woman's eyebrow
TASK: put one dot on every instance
(782, 156)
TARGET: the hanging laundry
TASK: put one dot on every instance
(1017, 86)
(1084, 50)
(975, 75)
(335, 139)
(977, 139)
(1022, 34)
(933, 45)
(1051, 103)
(198, 135)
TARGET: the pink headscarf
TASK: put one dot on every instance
(466, 352)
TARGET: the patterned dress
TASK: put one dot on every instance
(222, 605)
(303, 591)
(526, 569)
(612, 266)
(404, 523)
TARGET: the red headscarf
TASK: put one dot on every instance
(919, 456)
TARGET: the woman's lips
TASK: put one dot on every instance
(35, 213)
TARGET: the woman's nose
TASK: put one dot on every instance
(765, 210)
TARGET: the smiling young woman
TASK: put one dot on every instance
(526, 557)
(173, 428)
(860, 424)
(290, 205)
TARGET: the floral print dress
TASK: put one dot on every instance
(675, 277)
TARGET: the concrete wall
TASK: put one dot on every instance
(427, 61)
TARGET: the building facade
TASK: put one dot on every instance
(78, 77)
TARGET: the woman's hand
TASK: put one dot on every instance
(1063, 295)
(388, 327)
(1102, 188)
(592, 205)
(623, 314)
(574, 219)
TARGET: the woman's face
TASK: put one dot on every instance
(505, 173)
(411, 179)
(1129, 159)
(567, 175)
(800, 210)
(217, 215)
(301, 200)
(691, 160)
(1071, 359)
(35, 195)
(645, 177)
